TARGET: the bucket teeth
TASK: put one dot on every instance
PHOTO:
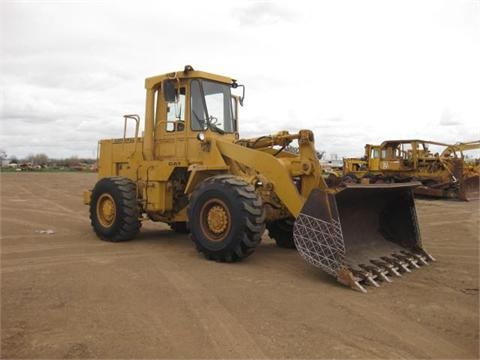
(408, 259)
(346, 277)
(392, 269)
(380, 272)
(420, 257)
(427, 255)
(397, 262)
(380, 269)
(387, 265)
(367, 276)
(359, 287)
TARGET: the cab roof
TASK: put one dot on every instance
(187, 73)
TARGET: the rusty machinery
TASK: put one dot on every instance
(447, 172)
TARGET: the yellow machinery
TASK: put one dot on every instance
(361, 166)
(191, 170)
(447, 173)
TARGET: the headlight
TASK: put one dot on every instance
(201, 137)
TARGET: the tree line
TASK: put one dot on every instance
(43, 160)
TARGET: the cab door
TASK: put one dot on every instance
(170, 125)
(374, 159)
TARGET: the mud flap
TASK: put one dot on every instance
(362, 234)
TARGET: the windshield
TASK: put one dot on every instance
(211, 107)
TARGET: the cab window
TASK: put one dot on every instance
(176, 112)
(211, 107)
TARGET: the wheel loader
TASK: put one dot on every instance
(191, 170)
(446, 173)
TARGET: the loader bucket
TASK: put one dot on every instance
(362, 234)
(469, 188)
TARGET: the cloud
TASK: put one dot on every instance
(21, 103)
(352, 72)
(448, 118)
(263, 13)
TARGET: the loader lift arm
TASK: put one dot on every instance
(279, 172)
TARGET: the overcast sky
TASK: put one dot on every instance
(354, 72)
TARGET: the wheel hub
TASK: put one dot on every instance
(106, 210)
(217, 219)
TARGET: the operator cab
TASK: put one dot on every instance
(182, 105)
(194, 101)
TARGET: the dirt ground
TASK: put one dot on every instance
(70, 295)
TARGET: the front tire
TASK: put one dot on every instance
(114, 212)
(226, 218)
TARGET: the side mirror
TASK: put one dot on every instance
(169, 92)
(243, 94)
(240, 98)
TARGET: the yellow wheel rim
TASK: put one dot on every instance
(106, 210)
(215, 220)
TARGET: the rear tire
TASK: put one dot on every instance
(180, 227)
(282, 232)
(114, 210)
(226, 218)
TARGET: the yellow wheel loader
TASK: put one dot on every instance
(191, 169)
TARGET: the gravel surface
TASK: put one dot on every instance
(67, 294)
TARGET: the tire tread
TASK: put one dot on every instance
(252, 206)
(129, 223)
